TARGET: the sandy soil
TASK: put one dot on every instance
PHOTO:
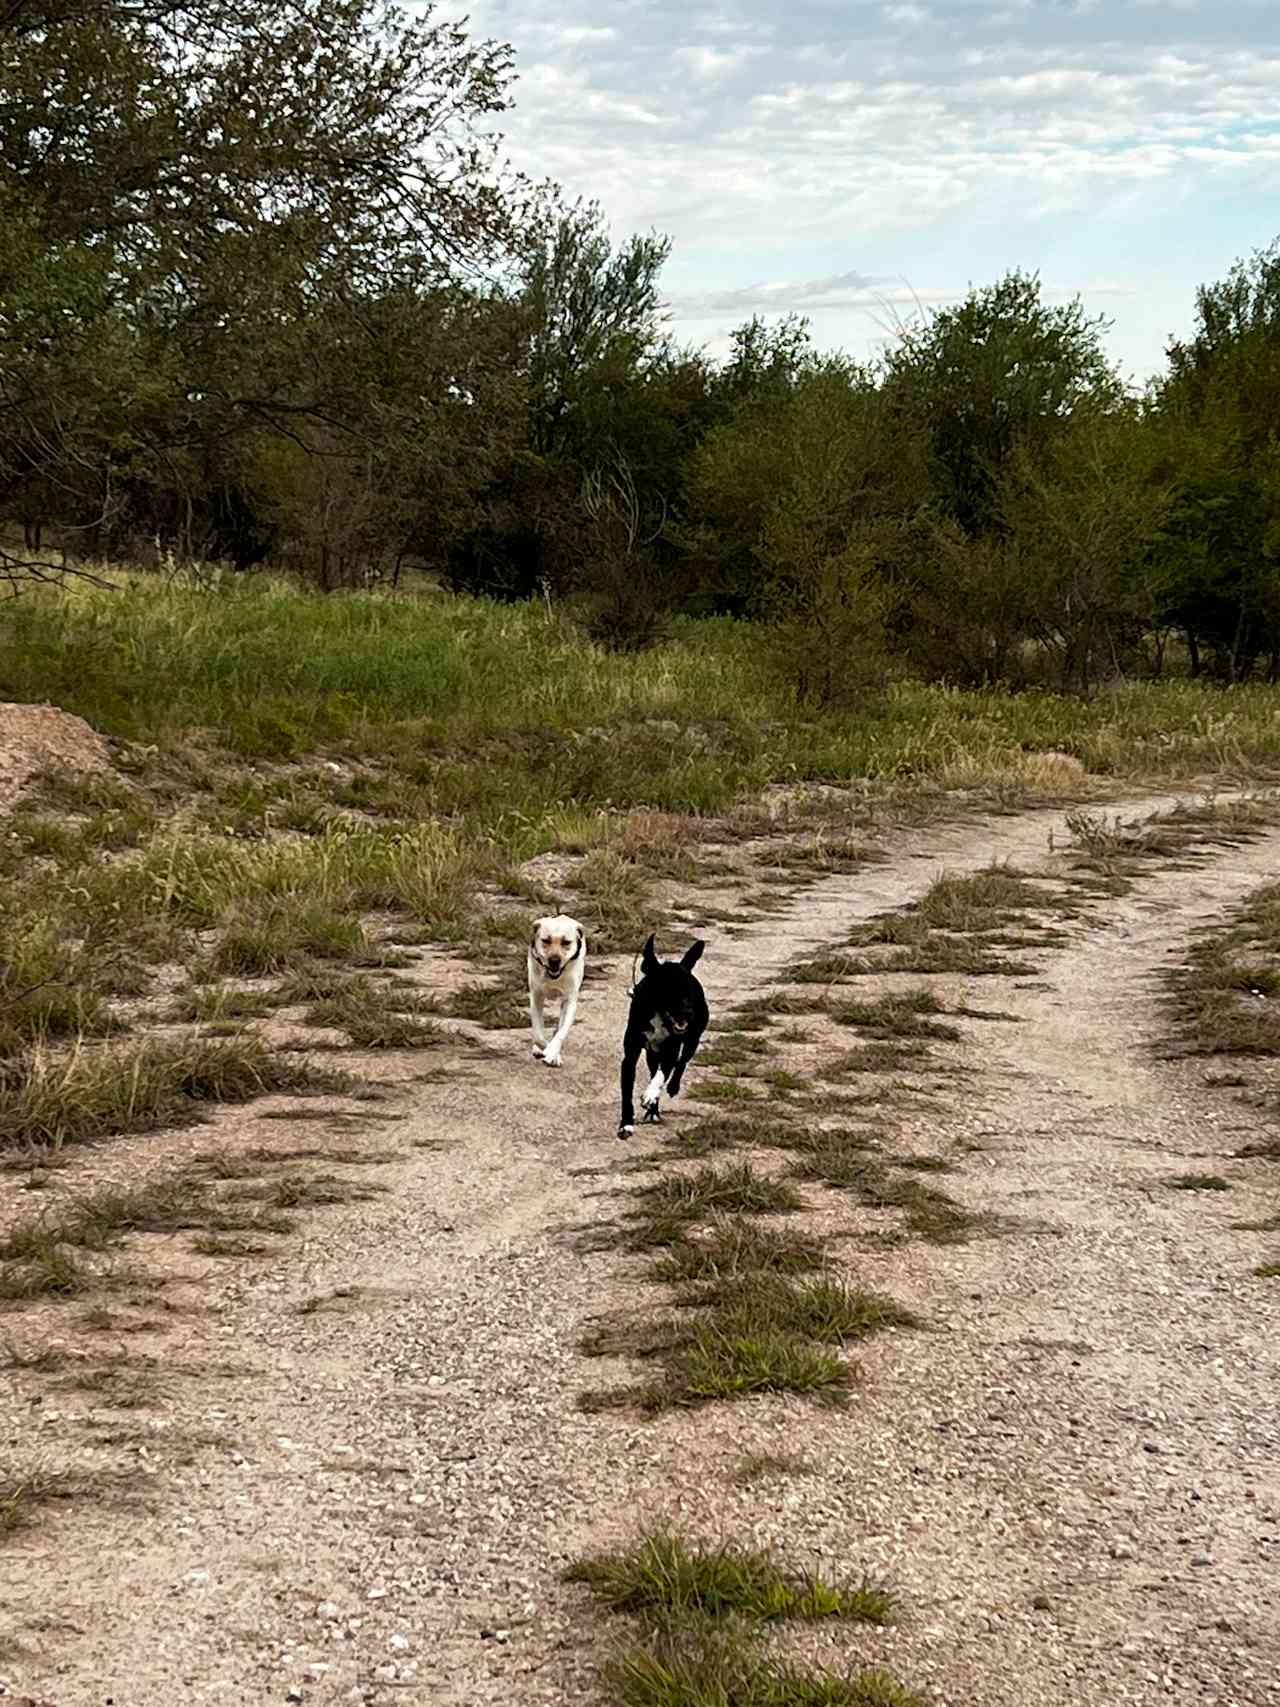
(361, 1467)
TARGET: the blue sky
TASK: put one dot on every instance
(865, 160)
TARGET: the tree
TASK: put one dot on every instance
(1082, 519)
(1000, 373)
(593, 317)
(193, 191)
(1219, 405)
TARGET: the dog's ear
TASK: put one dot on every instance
(537, 926)
(692, 956)
(648, 957)
(582, 941)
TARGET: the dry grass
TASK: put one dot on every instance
(24, 1495)
(51, 1098)
(1226, 1000)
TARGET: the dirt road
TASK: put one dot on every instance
(367, 1467)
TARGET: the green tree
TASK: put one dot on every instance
(594, 316)
(1082, 518)
(1219, 404)
(190, 194)
(999, 374)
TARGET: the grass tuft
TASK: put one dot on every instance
(667, 1580)
(48, 1098)
(1199, 1182)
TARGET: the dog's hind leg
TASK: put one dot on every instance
(627, 1122)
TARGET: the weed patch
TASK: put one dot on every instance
(704, 1612)
(667, 1580)
(1199, 1182)
(48, 1099)
(1226, 999)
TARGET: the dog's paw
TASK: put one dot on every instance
(625, 1131)
(537, 1051)
(652, 1115)
(551, 1056)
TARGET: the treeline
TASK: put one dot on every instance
(270, 296)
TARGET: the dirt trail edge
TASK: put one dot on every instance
(1073, 1480)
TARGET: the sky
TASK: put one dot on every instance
(864, 161)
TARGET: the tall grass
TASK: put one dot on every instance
(507, 711)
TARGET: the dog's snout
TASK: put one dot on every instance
(553, 961)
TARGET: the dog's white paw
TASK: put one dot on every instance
(656, 1087)
(551, 1055)
(626, 1131)
(538, 1050)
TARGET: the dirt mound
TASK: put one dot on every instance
(38, 738)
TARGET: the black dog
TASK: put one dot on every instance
(667, 1019)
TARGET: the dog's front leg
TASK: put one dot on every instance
(688, 1049)
(627, 1123)
(568, 1008)
(538, 1022)
(658, 1065)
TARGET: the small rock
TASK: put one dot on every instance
(1042, 1603)
(293, 1695)
(1202, 1558)
(1122, 1550)
(399, 1644)
(328, 1610)
(377, 1592)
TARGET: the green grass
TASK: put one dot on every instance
(264, 937)
(493, 1006)
(829, 1159)
(725, 1669)
(219, 1004)
(820, 1307)
(731, 1246)
(1199, 1182)
(667, 1579)
(476, 703)
(376, 1017)
(704, 1609)
(736, 1361)
(736, 1189)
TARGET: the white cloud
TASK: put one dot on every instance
(710, 64)
(747, 128)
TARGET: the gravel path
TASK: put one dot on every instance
(369, 1468)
